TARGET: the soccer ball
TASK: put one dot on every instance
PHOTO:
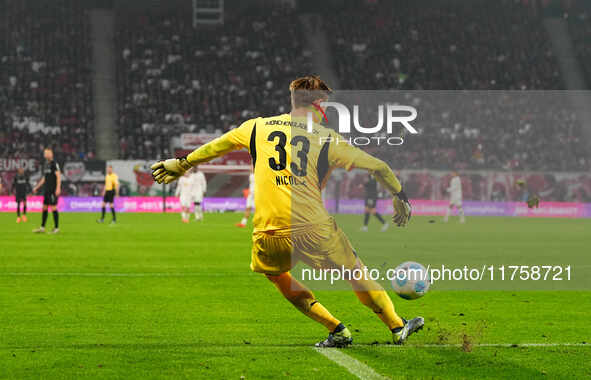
(411, 280)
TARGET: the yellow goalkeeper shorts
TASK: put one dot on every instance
(321, 246)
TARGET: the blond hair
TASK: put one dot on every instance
(306, 90)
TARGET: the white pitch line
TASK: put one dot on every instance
(139, 274)
(354, 366)
(363, 371)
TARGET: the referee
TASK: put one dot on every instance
(110, 191)
(20, 188)
(52, 180)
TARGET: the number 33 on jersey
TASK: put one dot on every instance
(291, 165)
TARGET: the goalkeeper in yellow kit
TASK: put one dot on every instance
(291, 165)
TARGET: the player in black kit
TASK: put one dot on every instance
(53, 186)
(371, 200)
(20, 188)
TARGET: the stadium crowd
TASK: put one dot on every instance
(500, 130)
(45, 82)
(476, 45)
(204, 79)
(174, 77)
(442, 45)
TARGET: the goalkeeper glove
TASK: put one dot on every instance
(170, 170)
(402, 209)
(533, 201)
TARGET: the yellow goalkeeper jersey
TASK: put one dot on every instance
(291, 166)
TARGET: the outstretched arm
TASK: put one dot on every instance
(170, 170)
(213, 149)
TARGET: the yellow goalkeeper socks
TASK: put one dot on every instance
(304, 300)
(381, 304)
(321, 315)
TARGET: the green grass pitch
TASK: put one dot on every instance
(154, 298)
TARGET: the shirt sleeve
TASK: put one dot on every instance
(343, 155)
(235, 139)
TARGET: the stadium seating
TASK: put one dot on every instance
(442, 45)
(45, 82)
(204, 79)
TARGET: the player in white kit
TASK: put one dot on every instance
(455, 197)
(199, 189)
(184, 190)
(249, 201)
